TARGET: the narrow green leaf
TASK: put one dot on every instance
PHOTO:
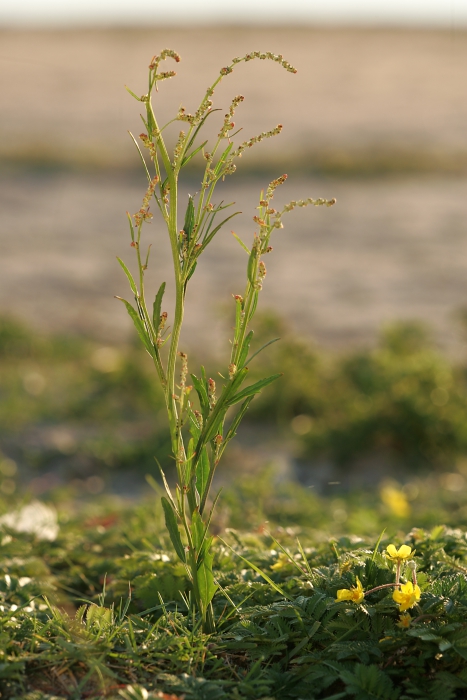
(190, 274)
(206, 586)
(270, 342)
(189, 218)
(245, 349)
(215, 426)
(202, 395)
(195, 431)
(197, 530)
(141, 156)
(166, 485)
(151, 121)
(192, 154)
(156, 307)
(218, 167)
(208, 238)
(304, 557)
(132, 230)
(129, 276)
(251, 268)
(375, 551)
(172, 527)
(236, 382)
(132, 93)
(241, 242)
(232, 431)
(139, 327)
(253, 307)
(202, 472)
(253, 389)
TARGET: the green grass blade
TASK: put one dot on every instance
(263, 575)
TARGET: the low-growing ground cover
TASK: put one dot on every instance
(101, 606)
(72, 408)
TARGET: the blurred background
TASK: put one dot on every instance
(369, 297)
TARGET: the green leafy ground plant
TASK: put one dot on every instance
(98, 608)
(197, 454)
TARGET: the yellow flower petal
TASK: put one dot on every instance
(404, 621)
(404, 551)
(407, 596)
(400, 554)
(356, 595)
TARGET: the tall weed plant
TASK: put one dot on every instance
(203, 415)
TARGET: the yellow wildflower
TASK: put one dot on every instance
(356, 595)
(404, 621)
(407, 596)
(404, 552)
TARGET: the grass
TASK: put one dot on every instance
(101, 610)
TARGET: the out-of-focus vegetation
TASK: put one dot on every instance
(72, 409)
(403, 399)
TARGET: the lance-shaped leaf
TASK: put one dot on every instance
(172, 527)
(191, 155)
(139, 327)
(156, 307)
(251, 267)
(198, 530)
(209, 236)
(189, 218)
(222, 159)
(166, 485)
(245, 350)
(129, 276)
(202, 472)
(253, 389)
(214, 426)
(253, 306)
(132, 93)
(202, 395)
(245, 248)
(214, 423)
(206, 586)
(190, 273)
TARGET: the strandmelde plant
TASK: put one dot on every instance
(203, 415)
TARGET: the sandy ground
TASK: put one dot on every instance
(386, 250)
(63, 92)
(390, 248)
